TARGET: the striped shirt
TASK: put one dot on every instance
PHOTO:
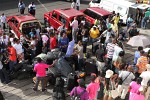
(110, 50)
(141, 63)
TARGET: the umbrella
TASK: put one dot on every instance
(139, 40)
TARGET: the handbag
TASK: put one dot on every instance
(120, 81)
(114, 92)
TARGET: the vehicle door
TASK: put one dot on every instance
(53, 19)
(95, 3)
(61, 20)
(14, 25)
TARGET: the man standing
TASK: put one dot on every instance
(39, 68)
(74, 25)
(12, 56)
(142, 62)
(127, 76)
(110, 51)
(145, 78)
(145, 19)
(21, 7)
(79, 48)
(3, 20)
(32, 8)
(77, 4)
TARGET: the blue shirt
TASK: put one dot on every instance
(63, 42)
(136, 56)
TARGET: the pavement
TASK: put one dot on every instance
(21, 90)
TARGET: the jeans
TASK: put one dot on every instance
(77, 7)
(74, 36)
(4, 75)
(84, 46)
(93, 41)
(38, 79)
(11, 64)
(144, 22)
(80, 64)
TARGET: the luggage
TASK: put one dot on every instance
(71, 81)
(64, 67)
(58, 93)
(90, 67)
(59, 82)
(54, 54)
(42, 56)
(17, 67)
(52, 70)
(1, 96)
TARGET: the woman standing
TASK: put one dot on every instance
(108, 85)
(134, 90)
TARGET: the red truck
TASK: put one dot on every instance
(22, 24)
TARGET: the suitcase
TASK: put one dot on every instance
(17, 67)
(71, 81)
(1, 96)
(90, 67)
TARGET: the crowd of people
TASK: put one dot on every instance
(115, 77)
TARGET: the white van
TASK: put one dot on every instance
(119, 6)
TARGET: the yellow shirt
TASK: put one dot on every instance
(94, 33)
(116, 19)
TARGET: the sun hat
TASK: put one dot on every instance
(148, 66)
(109, 73)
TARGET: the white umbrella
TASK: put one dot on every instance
(139, 40)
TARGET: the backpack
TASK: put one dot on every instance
(77, 96)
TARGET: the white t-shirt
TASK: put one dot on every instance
(18, 48)
(77, 2)
(117, 50)
(74, 24)
(3, 19)
(50, 28)
(44, 38)
(6, 39)
(145, 77)
(80, 49)
(124, 74)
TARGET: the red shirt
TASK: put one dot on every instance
(53, 42)
(12, 54)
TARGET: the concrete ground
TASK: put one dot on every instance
(22, 90)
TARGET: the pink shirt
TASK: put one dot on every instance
(134, 87)
(40, 69)
(92, 89)
(74, 24)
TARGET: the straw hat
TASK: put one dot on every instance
(109, 73)
(148, 66)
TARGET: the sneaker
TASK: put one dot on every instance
(35, 90)
(43, 90)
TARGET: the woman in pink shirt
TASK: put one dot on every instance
(134, 90)
(92, 88)
(39, 68)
